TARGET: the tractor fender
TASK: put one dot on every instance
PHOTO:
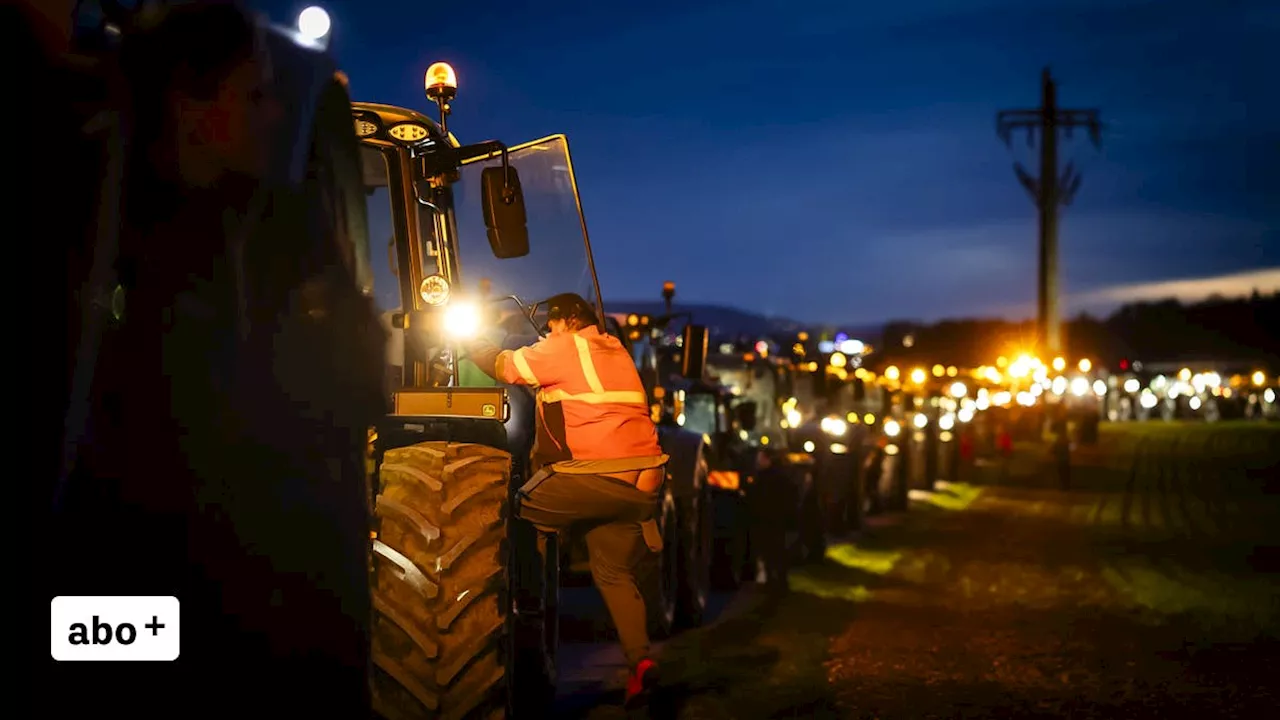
(685, 449)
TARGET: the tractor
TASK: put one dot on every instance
(694, 410)
(733, 404)
(678, 583)
(465, 596)
(222, 357)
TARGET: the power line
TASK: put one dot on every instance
(1050, 191)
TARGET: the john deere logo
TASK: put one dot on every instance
(489, 410)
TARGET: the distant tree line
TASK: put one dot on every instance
(1245, 330)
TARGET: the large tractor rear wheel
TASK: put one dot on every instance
(695, 554)
(659, 573)
(440, 583)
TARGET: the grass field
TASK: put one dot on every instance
(1213, 486)
(1232, 459)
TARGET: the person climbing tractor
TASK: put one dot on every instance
(597, 465)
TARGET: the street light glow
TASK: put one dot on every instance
(314, 23)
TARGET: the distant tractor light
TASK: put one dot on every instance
(946, 422)
(958, 390)
(1195, 403)
(839, 449)
(1132, 385)
(1059, 364)
(441, 82)
(1085, 365)
(1269, 395)
(965, 414)
(892, 428)
(1259, 378)
(852, 418)
(838, 360)
(834, 426)
(434, 290)
(918, 376)
(462, 320)
(921, 420)
(314, 23)
(891, 373)
(852, 347)
(809, 446)
(1148, 399)
(1079, 386)
(1099, 388)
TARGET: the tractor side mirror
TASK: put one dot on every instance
(505, 222)
(693, 364)
(746, 415)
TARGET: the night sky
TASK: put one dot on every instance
(837, 161)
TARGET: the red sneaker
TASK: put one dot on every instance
(644, 678)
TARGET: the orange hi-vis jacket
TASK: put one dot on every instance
(591, 403)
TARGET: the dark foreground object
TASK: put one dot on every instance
(218, 449)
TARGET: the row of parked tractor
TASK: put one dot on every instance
(725, 406)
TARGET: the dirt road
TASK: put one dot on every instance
(1000, 602)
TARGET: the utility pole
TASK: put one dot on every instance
(1049, 190)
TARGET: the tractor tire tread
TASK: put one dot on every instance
(440, 582)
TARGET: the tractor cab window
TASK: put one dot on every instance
(382, 230)
(382, 240)
(700, 413)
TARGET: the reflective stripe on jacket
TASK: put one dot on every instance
(591, 403)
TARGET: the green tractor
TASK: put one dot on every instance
(465, 596)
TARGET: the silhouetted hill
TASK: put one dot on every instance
(1218, 329)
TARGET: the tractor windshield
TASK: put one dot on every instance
(701, 413)
(559, 256)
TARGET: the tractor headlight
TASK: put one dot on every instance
(461, 320)
(434, 290)
(834, 426)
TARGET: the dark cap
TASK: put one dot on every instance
(571, 305)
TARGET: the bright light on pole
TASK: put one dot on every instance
(314, 23)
